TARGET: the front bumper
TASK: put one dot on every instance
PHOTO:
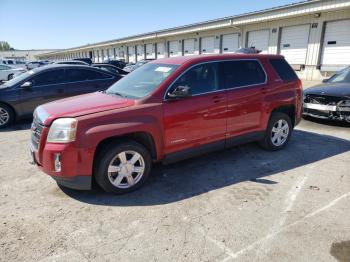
(332, 112)
(73, 173)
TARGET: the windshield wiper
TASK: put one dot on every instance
(114, 93)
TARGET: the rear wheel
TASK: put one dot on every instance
(278, 132)
(7, 116)
(122, 167)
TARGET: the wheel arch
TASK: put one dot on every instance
(288, 110)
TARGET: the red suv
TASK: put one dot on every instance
(167, 110)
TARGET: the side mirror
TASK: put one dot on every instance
(27, 85)
(325, 80)
(180, 92)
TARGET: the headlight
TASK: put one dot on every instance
(62, 130)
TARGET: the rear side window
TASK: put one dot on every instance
(283, 69)
(94, 75)
(242, 73)
(76, 75)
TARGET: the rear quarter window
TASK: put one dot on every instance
(283, 69)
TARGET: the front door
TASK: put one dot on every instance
(200, 118)
(46, 87)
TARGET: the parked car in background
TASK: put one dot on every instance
(118, 63)
(249, 50)
(111, 68)
(35, 64)
(13, 63)
(330, 100)
(86, 60)
(21, 95)
(167, 110)
(8, 72)
(138, 64)
(71, 62)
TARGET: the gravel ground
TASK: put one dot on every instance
(242, 204)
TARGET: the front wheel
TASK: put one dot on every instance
(122, 167)
(10, 76)
(278, 132)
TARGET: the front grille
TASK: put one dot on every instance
(322, 100)
(36, 134)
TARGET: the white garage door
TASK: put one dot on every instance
(208, 45)
(140, 52)
(111, 53)
(150, 51)
(336, 46)
(173, 48)
(189, 47)
(131, 54)
(230, 43)
(294, 41)
(160, 50)
(259, 40)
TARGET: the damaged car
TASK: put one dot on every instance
(331, 99)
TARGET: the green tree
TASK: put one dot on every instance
(5, 46)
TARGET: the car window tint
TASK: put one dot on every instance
(241, 73)
(94, 75)
(283, 69)
(10, 62)
(76, 75)
(201, 79)
(49, 78)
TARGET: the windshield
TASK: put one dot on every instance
(19, 78)
(341, 77)
(142, 81)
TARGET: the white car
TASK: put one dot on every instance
(8, 72)
(13, 63)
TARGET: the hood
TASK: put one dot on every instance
(82, 105)
(330, 89)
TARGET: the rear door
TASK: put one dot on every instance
(199, 119)
(46, 87)
(245, 82)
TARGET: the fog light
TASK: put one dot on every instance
(58, 166)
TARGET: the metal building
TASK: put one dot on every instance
(314, 36)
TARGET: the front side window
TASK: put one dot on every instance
(94, 75)
(142, 81)
(200, 79)
(49, 78)
(242, 73)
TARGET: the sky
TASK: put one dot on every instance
(56, 24)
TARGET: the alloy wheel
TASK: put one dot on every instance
(4, 116)
(126, 169)
(280, 132)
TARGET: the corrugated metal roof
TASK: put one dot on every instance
(249, 17)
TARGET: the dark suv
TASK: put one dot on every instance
(21, 95)
(167, 110)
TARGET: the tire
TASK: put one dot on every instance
(7, 116)
(280, 125)
(123, 176)
(10, 76)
